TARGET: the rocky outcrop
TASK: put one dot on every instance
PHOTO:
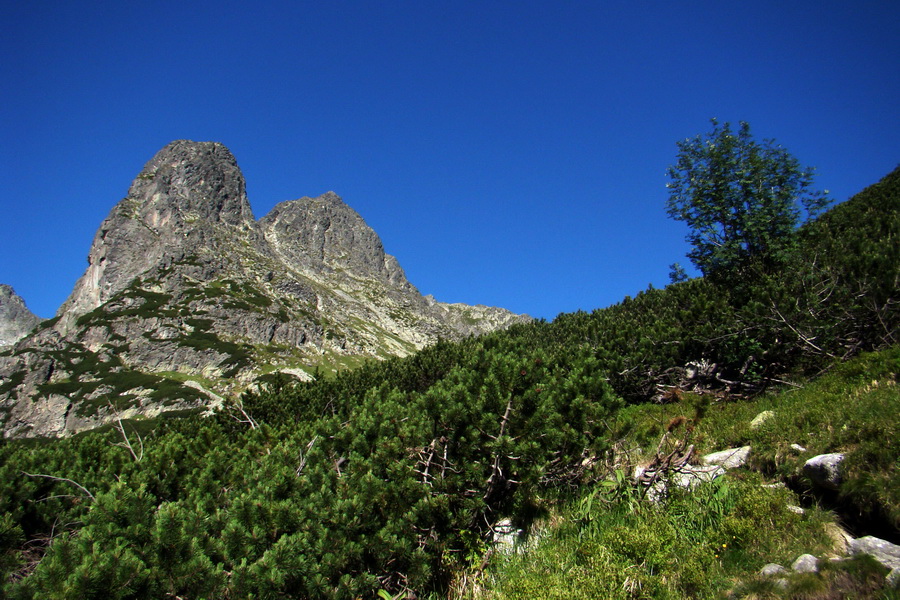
(16, 321)
(885, 552)
(186, 292)
(323, 236)
(189, 201)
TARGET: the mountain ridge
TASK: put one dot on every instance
(183, 283)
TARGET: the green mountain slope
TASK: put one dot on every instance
(394, 476)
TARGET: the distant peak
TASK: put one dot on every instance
(15, 318)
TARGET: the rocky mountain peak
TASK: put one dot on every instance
(327, 237)
(177, 206)
(193, 180)
(15, 318)
(188, 300)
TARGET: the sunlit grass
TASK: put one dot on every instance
(715, 540)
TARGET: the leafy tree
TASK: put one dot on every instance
(741, 198)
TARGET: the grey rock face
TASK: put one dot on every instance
(824, 470)
(185, 202)
(324, 235)
(182, 282)
(16, 321)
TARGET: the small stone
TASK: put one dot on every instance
(772, 569)
(506, 535)
(796, 509)
(806, 563)
(691, 476)
(824, 470)
(638, 472)
(728, 459)
(656, 492)
(761, 418)
(798, 448)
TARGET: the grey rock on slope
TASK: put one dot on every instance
(188, 299)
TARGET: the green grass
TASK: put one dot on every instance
(47, 323)
(331, 364)
(858, 577)
(87, 372)
(612, 544)
(152, 305)
(854, 409)
(695, 545)
(183, 377)
(239, 355)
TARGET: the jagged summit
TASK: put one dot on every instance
(329, 237)
(186, 201)
(188, 299)
(15, 318)
(194, 180)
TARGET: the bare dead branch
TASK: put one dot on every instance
(239, 405)
(63, 479)
(304, 455)
(121, 428)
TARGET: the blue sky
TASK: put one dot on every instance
(507, 153)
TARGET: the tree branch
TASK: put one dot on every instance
(55, 478)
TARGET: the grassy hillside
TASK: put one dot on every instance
(392, 477)
(610, 543)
